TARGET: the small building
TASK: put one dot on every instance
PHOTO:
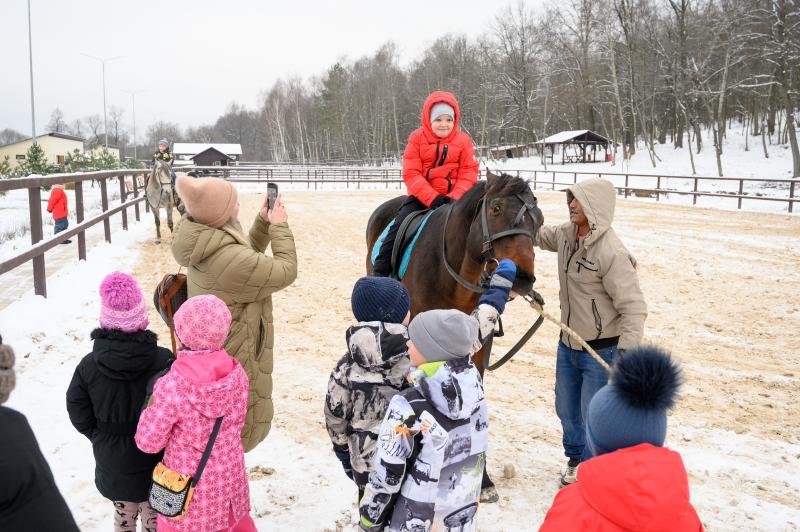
(509, 151)
(211, 157)
(56, 146)
(210, 153)
(580, 146)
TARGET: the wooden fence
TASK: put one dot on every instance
(36, 252)
(318, 177)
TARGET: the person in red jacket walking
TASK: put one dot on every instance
(632, 482)
(439, 166)
(57, 204)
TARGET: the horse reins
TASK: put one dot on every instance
(487, 253)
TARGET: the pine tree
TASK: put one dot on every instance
(35, 161)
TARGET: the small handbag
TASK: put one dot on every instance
(171, 491)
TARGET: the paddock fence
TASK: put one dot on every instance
(317, 177)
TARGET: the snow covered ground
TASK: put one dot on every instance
(721, 297)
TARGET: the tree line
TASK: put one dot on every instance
(641, 72)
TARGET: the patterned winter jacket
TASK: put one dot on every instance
(165, 156)
(361, 386)
(432, 479)
(200, 387)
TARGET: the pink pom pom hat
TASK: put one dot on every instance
(121, 304)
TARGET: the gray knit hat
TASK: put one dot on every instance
(7, 379)
(441, 335)
(440, 109)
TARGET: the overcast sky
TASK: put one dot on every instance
(193, 58)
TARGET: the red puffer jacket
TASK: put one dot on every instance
(57, 204)
(642, 488)
(433, 165)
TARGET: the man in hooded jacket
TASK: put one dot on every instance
(600, 300)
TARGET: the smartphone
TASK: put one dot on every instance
(272, 194)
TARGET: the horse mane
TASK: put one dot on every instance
(502, 185)
(508, 185)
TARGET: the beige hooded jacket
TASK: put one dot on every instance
(599, 287)
(234, 267)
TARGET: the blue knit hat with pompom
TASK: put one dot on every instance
(632, 408)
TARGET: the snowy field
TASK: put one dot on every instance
(721, 293)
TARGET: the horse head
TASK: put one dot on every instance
(505, 222)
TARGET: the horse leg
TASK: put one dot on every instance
(169, 216)
(158, 225)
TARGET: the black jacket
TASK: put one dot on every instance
(29, 498)
(104, 401)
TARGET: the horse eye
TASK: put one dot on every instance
(497, 208)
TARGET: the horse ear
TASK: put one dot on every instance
(491, 178)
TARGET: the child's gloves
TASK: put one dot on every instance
(500, 284)
(439, 201)
(343, 454)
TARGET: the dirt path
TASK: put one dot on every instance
(723, 295)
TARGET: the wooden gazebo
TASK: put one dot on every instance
(581, 146)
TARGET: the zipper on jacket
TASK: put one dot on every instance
(598, 322)
(444, 154)
(566, 289)
(436, 156)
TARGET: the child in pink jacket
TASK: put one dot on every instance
(203, 384)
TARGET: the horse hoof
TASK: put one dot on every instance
(158, 240)
(489, 495)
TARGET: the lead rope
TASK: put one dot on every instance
(535, 305)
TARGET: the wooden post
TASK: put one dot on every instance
(658, 187)
(104, 202)
(136, 195)
(626, 185)
(575, 177)
(694, 196)
(122, 200)
(79, 218)
(741, 190)
(35, 207)
(791, 196)
(535, 178)
(358, 183)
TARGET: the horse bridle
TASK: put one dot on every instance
(487, 248)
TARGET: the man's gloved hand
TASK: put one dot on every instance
(500, 284)
(343, 454)
(439, 201)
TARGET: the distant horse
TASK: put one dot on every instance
(161, 195)
(462, 243)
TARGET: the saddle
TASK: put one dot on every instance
(407, 235)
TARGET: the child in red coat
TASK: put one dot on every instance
(439, 166)
(57, 205)
(632, 482)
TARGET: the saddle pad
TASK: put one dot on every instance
(406, 252)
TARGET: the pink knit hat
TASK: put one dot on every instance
(121, 304)
(202, 323)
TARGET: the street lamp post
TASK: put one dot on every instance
(103, 62)
(133, 106)
(30, 59)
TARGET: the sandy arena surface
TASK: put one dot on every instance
(723, 295)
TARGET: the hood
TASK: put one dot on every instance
(598, 199)
(638, 488)
(123, 356)
(433, 99)
(194, 242)
(454, 389)
(212, 377)
(378, 346)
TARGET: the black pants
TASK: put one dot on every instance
(383, 263)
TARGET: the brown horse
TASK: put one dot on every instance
(496, 219)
